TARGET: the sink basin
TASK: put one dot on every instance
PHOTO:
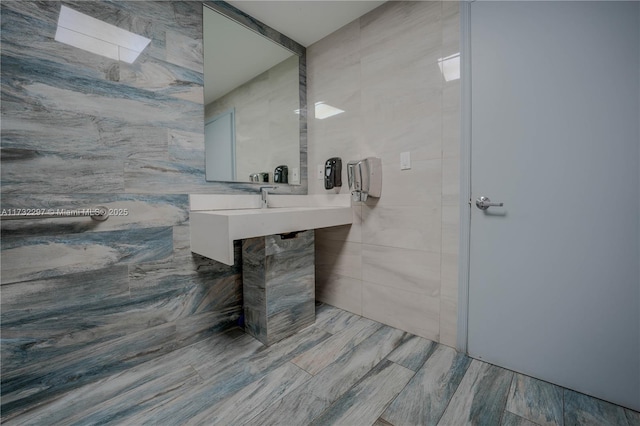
(213, 231)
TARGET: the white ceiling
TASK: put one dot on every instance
(248, 54)
(306, 21)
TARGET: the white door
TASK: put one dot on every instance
(554, 273)
(220, 148)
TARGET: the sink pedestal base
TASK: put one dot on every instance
(278, 277)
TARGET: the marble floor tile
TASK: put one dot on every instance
(315, 396)
(240, 407)
(481, 396)
(87, 397)
(363, 403)
(347, 370)
(510, 419)
(217, 358)
(413, 353)
(228, 373)
(265, 359)
(221, 380)
(633, 417)
(426, 397)
(135, 402)
(581, 409)
(317, 358)
(332, 319)
(292, 411)
(535, 400)
(368, 374)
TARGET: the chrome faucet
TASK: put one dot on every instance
(264, 194)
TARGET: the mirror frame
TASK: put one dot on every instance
(264, 30)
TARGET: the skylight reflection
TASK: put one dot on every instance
(93, 35)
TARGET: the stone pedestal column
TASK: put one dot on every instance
(278, 284)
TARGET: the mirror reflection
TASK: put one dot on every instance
(251, 90)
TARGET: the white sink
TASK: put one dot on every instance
(213, 231)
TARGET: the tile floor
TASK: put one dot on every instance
(343, 370)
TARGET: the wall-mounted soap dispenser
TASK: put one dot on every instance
(333, 173)
(281, 174)
(365, 178)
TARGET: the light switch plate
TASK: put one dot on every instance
(405, 160)
(320, 174)
(295, 176)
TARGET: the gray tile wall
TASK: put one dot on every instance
(81, 299)
(397, 264)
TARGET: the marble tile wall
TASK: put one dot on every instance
(397, 263)
(82, 299)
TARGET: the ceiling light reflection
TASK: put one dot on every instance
(93, 35)
(450, 67)
(323, 111)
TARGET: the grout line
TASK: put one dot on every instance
(303, 369)
(520, 417)
(197, 373)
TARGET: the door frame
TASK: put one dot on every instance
(232, 113)
(465, 176)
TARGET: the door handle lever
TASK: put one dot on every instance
(484, 203)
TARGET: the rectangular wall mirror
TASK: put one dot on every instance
(255, 97)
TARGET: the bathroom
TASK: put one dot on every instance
(118, 321)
